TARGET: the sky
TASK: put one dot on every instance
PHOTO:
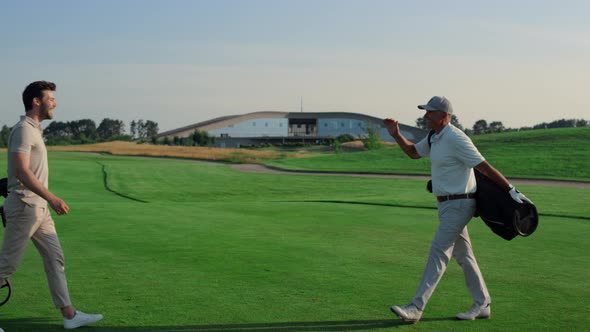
(180, 62)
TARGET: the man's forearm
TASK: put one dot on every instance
(493, 174)
(406, 146)
(28, 179)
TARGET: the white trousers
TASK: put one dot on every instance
(452, 238)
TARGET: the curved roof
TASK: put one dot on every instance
(224, 121)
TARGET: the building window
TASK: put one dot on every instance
(281, 124)
(231, 126)
(253, 124)
(341, 124)
(266, 124)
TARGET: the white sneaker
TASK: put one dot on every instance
(81, 319)
(408, 313)
(476, 311)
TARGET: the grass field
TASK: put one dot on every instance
(537, 154)
(180, 245)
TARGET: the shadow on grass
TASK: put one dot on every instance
(364, 203)
(38, 324)
(107, 188)
(422, 207)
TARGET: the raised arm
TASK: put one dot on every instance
(406, 146)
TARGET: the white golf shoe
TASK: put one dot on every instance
(81, 319)
(476, 311)
(408, 313)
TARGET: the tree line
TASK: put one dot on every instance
(85, 131)
(197, 138)
(483, 127)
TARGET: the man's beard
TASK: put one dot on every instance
(46, 112)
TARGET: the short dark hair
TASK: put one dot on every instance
(35, 90)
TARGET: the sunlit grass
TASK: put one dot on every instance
(233, 251)
(537, 154)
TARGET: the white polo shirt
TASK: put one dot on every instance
(27, 137)
(452, 157)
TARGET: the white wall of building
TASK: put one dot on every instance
(258, 127)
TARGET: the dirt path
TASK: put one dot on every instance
(257, 168)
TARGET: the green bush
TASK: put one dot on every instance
(373, 140)
(126, 138)
(345, 138)
(337, 146)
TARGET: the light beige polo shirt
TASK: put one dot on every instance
(27, 137)
(453, 157)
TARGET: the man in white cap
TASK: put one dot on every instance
(453, 158)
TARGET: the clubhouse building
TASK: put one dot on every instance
(289, 127)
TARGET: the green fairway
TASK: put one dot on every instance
(536, 154)
(178, 245)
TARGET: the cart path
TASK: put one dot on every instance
(258, 168)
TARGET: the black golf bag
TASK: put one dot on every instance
(504, 216)
(7, 285)
(3, 193)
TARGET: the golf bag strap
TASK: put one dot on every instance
(430, 133)
(4, 187)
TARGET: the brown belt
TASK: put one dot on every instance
(452, 197)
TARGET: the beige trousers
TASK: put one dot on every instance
(452, 238)
(24, 222)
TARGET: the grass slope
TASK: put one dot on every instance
(536, 154)
(217, 250)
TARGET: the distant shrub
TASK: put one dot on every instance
(58, 141)
(337, 146)
(373, 139)
(126, 138)
(345, 138)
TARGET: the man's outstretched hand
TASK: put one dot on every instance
(392, 126)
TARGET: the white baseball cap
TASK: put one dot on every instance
(438, 103)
